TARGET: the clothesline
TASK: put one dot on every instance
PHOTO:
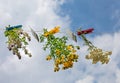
(28, 30)
(68, 32)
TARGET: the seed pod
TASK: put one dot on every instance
(12, 45)
(9, 48)
(29, 39)
(19, 56)
(14, 52)
(25, 51)
(29, 54)
(21, 32)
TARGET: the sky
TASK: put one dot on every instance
(102, 15)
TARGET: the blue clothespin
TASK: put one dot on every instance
(12, 27)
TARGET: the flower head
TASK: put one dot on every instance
(63, 55)
(48, 57)
(52, 31)
(55, 30)
(98, 55)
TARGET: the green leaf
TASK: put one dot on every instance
(42, 38)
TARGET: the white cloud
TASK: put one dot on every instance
(38, 13)
(118, 76)
(88, 79)
(45, 15)
(4, 16)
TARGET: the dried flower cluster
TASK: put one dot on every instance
(17, 39)
(96, 54)
(63, 55)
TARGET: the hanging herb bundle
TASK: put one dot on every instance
(17, 39)
(96, 54)
(63, 55)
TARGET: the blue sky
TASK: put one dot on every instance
(103, 15)
(92, 13)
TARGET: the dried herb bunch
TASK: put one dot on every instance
(63, 55)
(17, 39)
(96, 54)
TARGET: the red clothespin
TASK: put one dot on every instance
(87, 31)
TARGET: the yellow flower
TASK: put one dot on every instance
(73, 50)
(56, 69)
(57, 51)
(46, 34)
(76, 56)
(48, 57)
(67, 64)
(71, 57)
(69, 47)
(55, 30)
(63, 57)
(57, 61)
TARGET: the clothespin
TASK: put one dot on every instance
(34, 34)
(87, 31)
(12, 27)
(71, 35)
